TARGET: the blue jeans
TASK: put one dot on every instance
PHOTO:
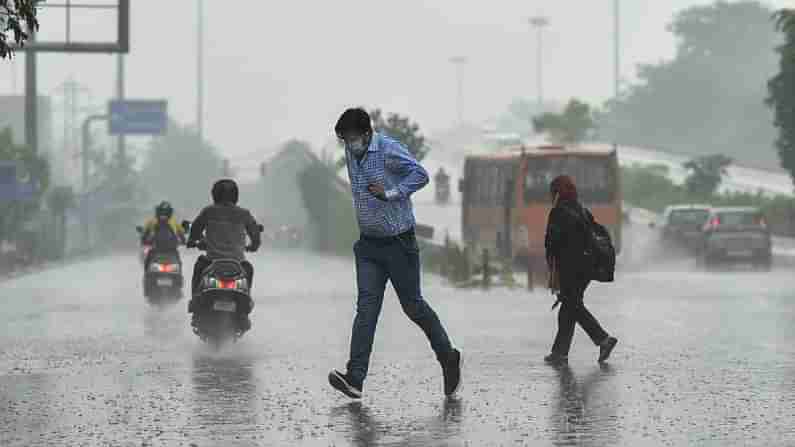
(396, 259)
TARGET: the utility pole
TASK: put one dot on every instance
(539, 23)
(71, 91)
(120, 141)
(459, 62)
(616, 49)
(200, 70)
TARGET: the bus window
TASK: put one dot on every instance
(590, 174)
(593, 179)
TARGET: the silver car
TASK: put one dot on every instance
(738, 234)
(681, 225)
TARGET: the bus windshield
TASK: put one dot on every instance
(592, 175)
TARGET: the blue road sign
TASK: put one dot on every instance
(138, 117)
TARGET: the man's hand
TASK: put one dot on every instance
(377, 190)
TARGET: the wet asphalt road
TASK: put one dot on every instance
(703, 359)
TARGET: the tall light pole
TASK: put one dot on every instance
(459, 62)
(539, 23)
(120, 142)
(616, 49)
(200, 70)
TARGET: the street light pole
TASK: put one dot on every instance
(539, 23)
(459, 62)
(200, 71)
(616, 49)
(120, 141)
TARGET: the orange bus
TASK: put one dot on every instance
(506, 201)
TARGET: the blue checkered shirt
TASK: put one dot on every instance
(388, 163)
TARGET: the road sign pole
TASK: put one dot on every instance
(31, 100)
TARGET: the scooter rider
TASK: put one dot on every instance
(223, 226)
(162, 232)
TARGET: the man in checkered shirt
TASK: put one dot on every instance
(383, 175)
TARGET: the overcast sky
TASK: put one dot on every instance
(281, 69)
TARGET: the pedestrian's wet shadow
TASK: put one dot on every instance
(585, 411)
(360, 425)
(363, 428)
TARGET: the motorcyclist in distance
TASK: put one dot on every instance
(162, 232)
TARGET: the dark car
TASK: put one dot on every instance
(681, 225)
(737, 235)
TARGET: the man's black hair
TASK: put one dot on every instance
(355, 120)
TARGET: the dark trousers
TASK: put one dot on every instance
(202, 262)
(572, 311)
(397, 260)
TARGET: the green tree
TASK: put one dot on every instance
(705, 173)
(329, 209)
(16, 16)
(710, 97)
(181, 168)
(402, 129)
(35, 169)
(571, 126)
(781, 90)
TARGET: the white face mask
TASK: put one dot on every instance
(357, 147)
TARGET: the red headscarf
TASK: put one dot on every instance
(563, 185)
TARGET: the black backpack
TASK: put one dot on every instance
(600, 253)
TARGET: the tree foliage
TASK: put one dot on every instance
(329, 209)
(181, 168)
(706, 173)
(781, 90)
(36, 168)
(571, 126)
(402, 129)
(710, 97)
(16, 16)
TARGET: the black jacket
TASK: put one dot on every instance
(224, 227)
(566, 240)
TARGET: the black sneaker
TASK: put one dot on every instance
(606, 348)
(451, 370)
(556, 359)
(344, 384)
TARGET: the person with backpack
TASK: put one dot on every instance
(578, 250)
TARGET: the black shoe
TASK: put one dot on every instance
(606, 348)
(451, 370)
(344, 384)
(556, 359)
